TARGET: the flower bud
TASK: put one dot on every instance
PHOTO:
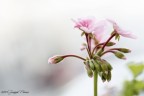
(108, 65)
(83, 47)
(110, 44)
(97, 66)
(103, 77)
(119, 55)
(109, 76)
(96, 57)
(89, 71)
(117, 36)
(91, 64)
(82, 33)
(104, 66)
(124, 50)
(55, 59)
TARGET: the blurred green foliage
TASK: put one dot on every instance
(135, 86)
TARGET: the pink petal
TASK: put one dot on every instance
(127, 34)
(121, 31)
(85, 24)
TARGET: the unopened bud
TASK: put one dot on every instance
(110, 44)
(104, 66)
(117, 37)
(103, 77)
(91, 64)
(97, 66)
(83, 47)
(82, 33)
(89, 71)
(55, 59)
(124, 50)
(119, 55)
(108, 65)
(109, 76)
(96, 57)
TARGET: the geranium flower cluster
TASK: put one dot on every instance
(94, 31)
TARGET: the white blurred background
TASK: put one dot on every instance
(31, 31)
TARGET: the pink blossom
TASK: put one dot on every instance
(100, 30)
(85, 24)
(55, 59)
(120, 31)
(92, 25)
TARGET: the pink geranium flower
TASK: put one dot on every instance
(120, 31)
(85, 24)
(92, 25)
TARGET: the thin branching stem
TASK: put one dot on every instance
(108, 40)
(107, 52)
(74, 56)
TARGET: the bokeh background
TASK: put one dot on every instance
(31, 31)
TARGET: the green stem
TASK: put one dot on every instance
(95, 83)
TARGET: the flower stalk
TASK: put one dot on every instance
(88, 39)
(95, 83)
(79, 57)
(108, 40)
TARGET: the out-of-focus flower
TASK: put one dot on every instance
(55, 59)
(120, 31)
(100, 30)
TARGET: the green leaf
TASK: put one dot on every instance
(127, 89)
(136, 69)
(139, 85)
